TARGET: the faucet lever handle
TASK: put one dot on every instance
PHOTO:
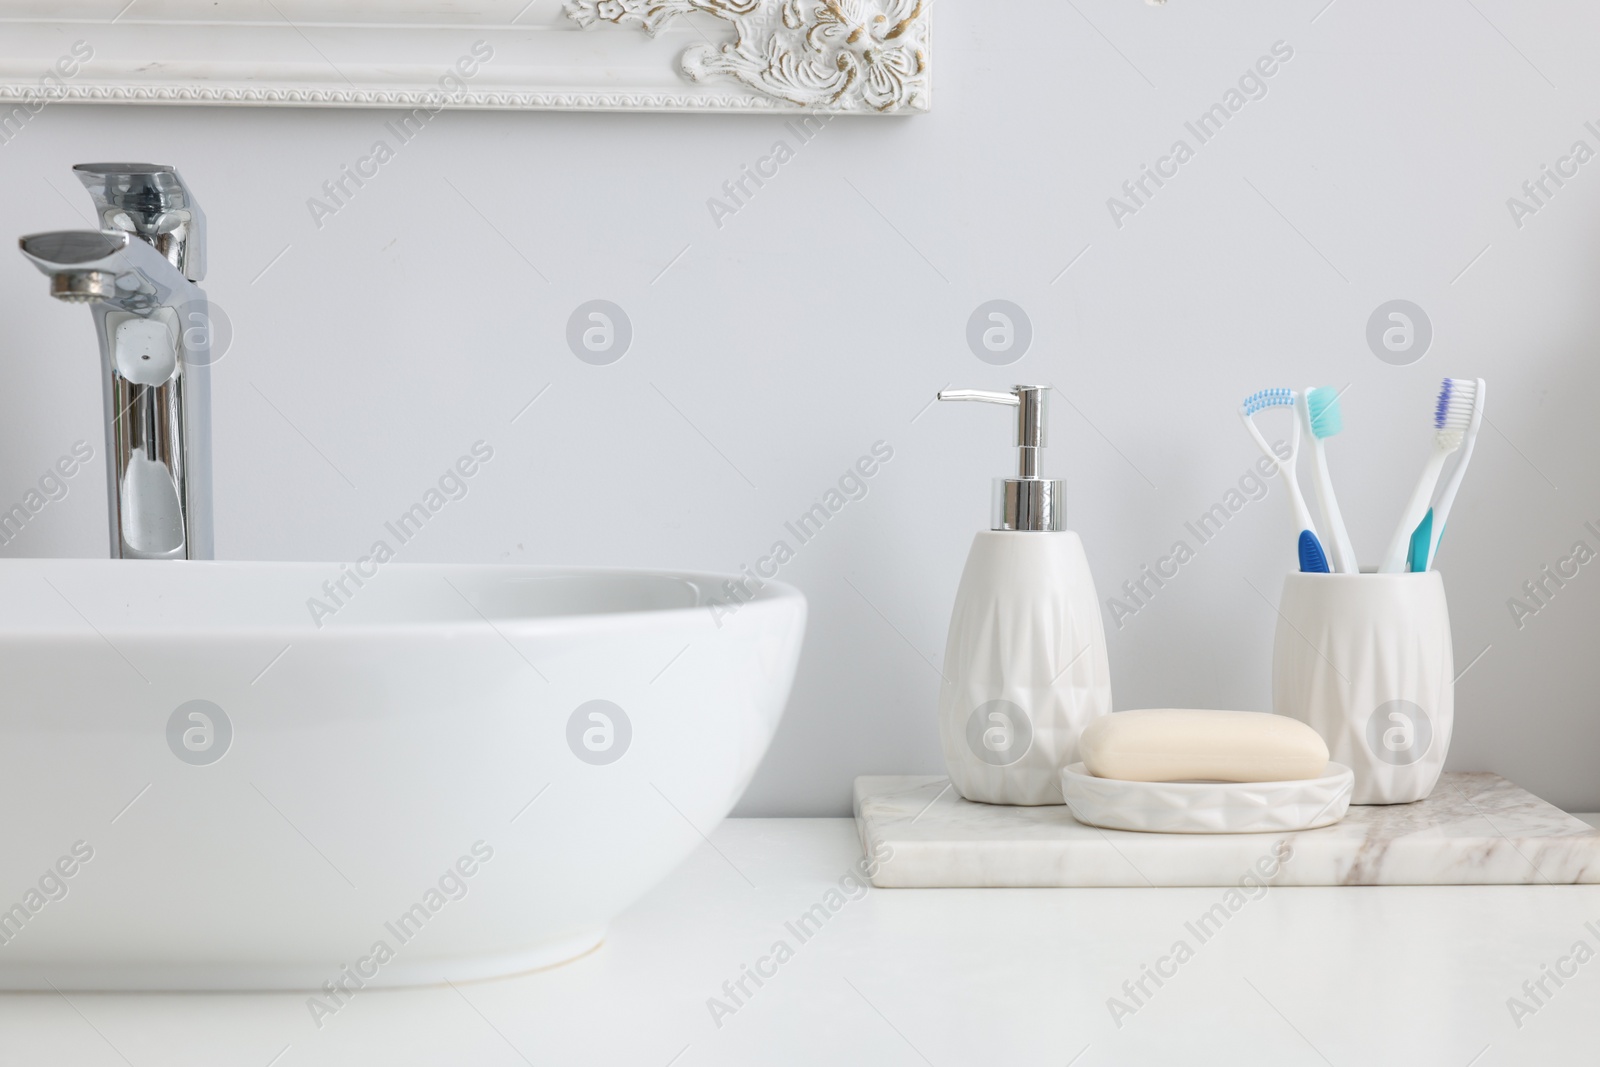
(152, 202)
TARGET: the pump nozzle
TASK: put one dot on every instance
(1026, 502)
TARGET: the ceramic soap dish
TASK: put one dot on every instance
(1208, 807)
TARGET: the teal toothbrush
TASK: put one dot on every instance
(1321, 411)
(1451, 417)
(1425, 539)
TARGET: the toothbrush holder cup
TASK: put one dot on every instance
(1365, 660)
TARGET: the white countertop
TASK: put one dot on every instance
(1361, 976)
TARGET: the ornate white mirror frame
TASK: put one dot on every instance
(848, 56)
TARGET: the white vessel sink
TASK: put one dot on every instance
(419, 772)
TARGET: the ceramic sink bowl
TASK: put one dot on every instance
(441, 773)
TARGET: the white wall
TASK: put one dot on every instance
(822, 317)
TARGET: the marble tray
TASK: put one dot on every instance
(1476, 829)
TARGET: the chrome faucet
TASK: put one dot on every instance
(138, 273)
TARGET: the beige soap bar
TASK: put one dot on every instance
(1174, 744)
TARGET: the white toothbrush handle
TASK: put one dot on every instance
(1394, 560)
(1297, 503)
(1285, 467)
(1441, 510)
(1344, 553)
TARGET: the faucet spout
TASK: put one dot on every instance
(107, 266)
(138, 278)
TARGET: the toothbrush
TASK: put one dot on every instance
(1431, 529)
(1421, 539)
(1321, 410)
(1451, 417)
(1312, 558)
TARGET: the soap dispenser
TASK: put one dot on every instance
(1025, 666)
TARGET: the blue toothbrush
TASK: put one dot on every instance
(1313, 559)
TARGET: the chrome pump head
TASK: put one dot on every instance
(1026, 502)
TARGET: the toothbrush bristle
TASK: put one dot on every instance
(1322, 405)
(1267, 398)
(1453, 413)
(1443, 406)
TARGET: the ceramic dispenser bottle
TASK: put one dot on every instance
(1025, 665)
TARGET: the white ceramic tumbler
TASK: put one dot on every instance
(1365, 660)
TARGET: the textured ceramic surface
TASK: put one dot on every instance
(1476, 829)
(1207, 807)
(1025, 667)
(477, 766)
(1365, 660)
